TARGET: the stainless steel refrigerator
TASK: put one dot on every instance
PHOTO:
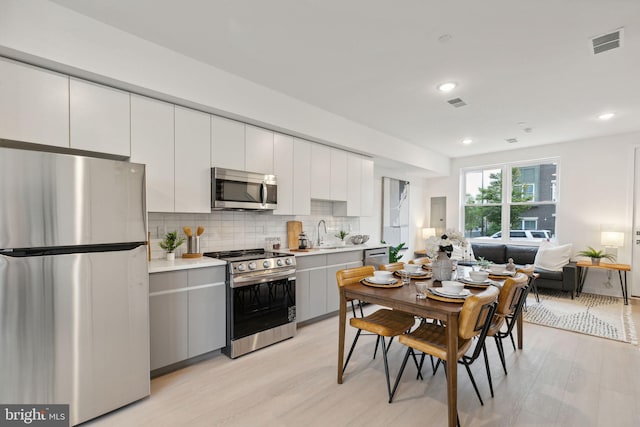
(74, 288)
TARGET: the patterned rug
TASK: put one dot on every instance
(599, 315)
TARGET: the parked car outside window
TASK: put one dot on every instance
(531, 235)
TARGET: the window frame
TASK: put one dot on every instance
(506, 169)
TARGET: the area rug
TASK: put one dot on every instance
(599, 315)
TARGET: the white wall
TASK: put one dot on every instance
(52, 36)
(595, 181)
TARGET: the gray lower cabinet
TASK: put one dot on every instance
(316, 286)
(187, 314)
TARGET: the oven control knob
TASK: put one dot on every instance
(252, 266)
(279, 262)
(241, 267)
(288, 261)
(266, 264)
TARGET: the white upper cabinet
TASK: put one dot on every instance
(192, 152)
(152, 143)
(301, 177)
(283, 169)
(320, 172)
(34, 104)
(99, 118)
(258, 150)
(338, 175)
(366, 200)
(354, 185)
(227, 143)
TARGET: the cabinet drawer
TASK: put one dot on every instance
(203, 276)
(311, 261)
(171, 280)
(344, 257)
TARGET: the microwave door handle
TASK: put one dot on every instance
(264, 193)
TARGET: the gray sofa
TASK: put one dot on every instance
(499, 253)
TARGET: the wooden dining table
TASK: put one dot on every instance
(404, 299)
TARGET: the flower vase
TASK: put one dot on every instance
(442, 267)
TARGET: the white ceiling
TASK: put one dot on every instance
(519, 64)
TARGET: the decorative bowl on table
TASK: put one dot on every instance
(382, 275)
(478, 276)
(412, 268)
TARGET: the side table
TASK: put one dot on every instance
(583, 269)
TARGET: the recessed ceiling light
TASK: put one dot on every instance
(467, 141)
(606, 116)
(447, 87)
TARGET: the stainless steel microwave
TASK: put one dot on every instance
(234, 189)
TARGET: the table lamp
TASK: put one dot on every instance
(428, 232)
(612, 240)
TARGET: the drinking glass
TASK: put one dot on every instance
(421, 288)
(406, 278)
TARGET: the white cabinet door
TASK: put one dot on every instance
(207, 319)
(317, 292)
(192, 151)
(338, 175)
(152, 144)
(303, 290)
(366, 207)
(99, 118)
(258, 145)
(227, 143)
(354, 181)
(320, 172)
(283, 169)
(34, 104)
(301, 177)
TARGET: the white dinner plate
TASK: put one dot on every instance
(443, 293)
(417, 273)
(475, 282)
(372, 279)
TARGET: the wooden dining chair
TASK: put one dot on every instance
(512, 296)
(532, 275)
(422, 261)
(431, 338)
(394, 266)
(383, 322)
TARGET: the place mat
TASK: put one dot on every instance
(484, 285)
(499, 276)
(397, 284)
(426, 275)
(433, 296)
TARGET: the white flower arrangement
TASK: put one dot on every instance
(445, 242)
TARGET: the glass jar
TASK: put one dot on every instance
(442, 267)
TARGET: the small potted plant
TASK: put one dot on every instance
(596, 255)
(170, 242)
(483, 263)
(341, 235)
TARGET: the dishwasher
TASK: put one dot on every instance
(376, 257)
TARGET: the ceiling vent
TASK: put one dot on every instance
(607, 42)
(511, 140)
(457, 102)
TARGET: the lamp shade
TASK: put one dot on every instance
(428, 232)
(614, 239)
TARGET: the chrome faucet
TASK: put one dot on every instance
(325, 230)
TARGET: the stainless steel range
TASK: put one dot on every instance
(261, 299)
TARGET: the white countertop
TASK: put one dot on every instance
(162, 265)
(345, 248)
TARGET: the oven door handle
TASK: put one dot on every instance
(238, 282)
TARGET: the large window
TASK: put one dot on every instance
(512, 200)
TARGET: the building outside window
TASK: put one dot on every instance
(515, 200)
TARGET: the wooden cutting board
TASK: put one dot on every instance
(294, 228)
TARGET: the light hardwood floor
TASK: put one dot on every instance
(559, 379)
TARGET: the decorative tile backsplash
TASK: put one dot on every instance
(225, 230)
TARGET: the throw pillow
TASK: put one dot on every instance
(553, 258)
(462, 254)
